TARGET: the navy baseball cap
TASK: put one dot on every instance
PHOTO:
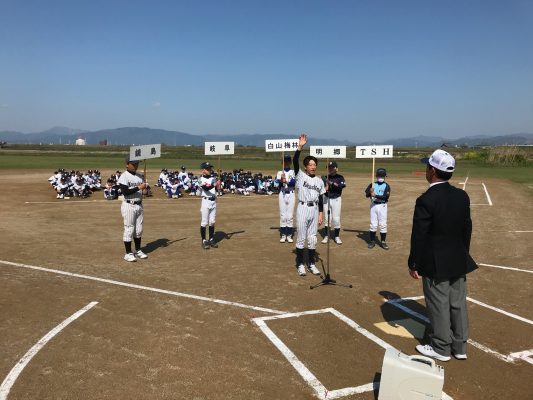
(332, 164)
(381, 172)
(287, 157)
(440, 159)
(183, 167)
(205, 165)
(128, 161)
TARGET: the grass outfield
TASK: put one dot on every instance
(249, 158)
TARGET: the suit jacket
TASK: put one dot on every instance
(440, 239)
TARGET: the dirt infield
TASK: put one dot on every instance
(180, 324)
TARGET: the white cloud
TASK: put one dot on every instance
(156, 104)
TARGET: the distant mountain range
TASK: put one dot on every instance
(133, 135)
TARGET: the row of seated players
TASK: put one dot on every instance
(176, 183)
(69, 184)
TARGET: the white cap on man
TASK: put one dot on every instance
(440, 159)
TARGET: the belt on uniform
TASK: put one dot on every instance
(212, 198)
(138, 202)
(379, 203)
(309, 203)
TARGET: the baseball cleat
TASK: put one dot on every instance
(213, 244)
(140, 254)
(129, 257)
(385, 245)
(301, 270)
(282, 239)
(325, 240)
(338, 240)
(205, 244)
(289, 239)
(371, 245)
(313, 269)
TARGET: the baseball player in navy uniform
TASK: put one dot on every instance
(309, 212)
(334, 185)
(286, 181)
(131, 185)
(208, 186)
(379, 193)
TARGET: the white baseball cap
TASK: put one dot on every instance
(440, 159)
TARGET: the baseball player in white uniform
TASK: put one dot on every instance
(286, 181)
(309, 212)
(379, 193)
(334, 185)
(132, 184)
(208, 186)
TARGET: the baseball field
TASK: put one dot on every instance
(237, 322)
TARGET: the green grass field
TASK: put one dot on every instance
(50, 158)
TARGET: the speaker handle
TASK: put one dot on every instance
(423, 359)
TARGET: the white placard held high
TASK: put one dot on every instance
(219, 148)
(145, 151)
(328, 151)
(272, 145)
(382, 151)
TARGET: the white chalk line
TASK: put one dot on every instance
(520, 231)
(150, 289)
(10, 379)
(464, 183)
(526, 356)
(499, 310)
(423, 318)
(487, 193)
(320, 390)
(509, 268)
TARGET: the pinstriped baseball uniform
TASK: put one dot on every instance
(310, 188)
(132, 208)
(286, 199)
(209, 204)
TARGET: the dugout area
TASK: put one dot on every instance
(181, 324)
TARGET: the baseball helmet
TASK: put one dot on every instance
(381, 172)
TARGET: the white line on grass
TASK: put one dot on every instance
(464, 183)
(487, 193)
(150, 289)
(509, 268)
(10, 379)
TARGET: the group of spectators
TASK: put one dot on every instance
(69, 184)
(177, 183)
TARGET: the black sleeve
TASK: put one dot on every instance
(127, 191)
(296, 162)
(320, 203)
(367, 190)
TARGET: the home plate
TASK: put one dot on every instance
(407, 328)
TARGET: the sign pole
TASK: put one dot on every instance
(373, 169)
(328, 220)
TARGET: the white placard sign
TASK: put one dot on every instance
(272, 145)
(328, 151)
(219, 148)
(384, 151)
(145, 151)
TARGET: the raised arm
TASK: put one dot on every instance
(296, 159)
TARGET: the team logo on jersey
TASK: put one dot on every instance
(311, 187)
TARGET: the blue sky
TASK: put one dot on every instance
(346, 69)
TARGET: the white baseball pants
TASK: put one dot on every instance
(208, 211)
(335, 208)
(306, 226)
(286, 209)
(133, 215)
(378, 216)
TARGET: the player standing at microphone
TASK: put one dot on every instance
(131, 185)
(209, 185)
(309, 213)
(286, 181)
(334, 185)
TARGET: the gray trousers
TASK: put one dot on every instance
(446, 306)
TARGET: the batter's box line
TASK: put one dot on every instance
(320, 390)
(511, 358)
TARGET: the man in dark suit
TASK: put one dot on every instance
(440, 242)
